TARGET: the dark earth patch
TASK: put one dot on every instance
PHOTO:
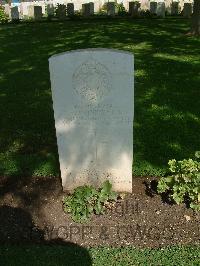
(31, 211)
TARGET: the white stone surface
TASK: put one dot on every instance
(77, 5)
(91, 8)
(97, 6)
(38, 12)
(88, 9)
(153, 7)
(161, 9)
(31, 12)
(174, 8)
(61, 11)
(50, 10)
(24, 11)
(134, 8)
(187, 10)
(93, 105)
(144, 4)
(14, 13)
(70, 9)
(111, 8)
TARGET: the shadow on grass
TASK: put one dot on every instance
(17, 230)
(167, 114)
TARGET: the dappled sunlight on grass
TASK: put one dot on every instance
(175, 146)
(187, 58)
(140, 73)
(167, 97)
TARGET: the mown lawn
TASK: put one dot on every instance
(166, 123)
(167, 90)
(76, 256)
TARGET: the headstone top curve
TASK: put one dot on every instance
(92, 50)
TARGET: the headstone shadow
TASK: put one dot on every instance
(17, 230)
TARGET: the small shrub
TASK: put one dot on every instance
(3, 16)
(87, 200)
(184, 181)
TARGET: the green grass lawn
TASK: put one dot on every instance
(166, 123)
(76, 256)
(167, 90)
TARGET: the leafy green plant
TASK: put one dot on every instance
(3, 16)
(184, 181)
(87, 200)
(104, 196)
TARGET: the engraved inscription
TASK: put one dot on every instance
(91, 81)
(107, 114)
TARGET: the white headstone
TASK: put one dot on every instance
(153, 7)
(134, 8)
(92, 92)
(187, 10)
(111, 8)
(91, 8)
(88, 9)
(37, 12)
(50, 10)
(61, 11)
(14, 13)
(174, 8)
(161, 9)
(70, 9)
(85, 10)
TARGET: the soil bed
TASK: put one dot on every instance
(31, 211)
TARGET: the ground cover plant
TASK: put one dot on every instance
(184, 181)
(87, 200)
(166, 121)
